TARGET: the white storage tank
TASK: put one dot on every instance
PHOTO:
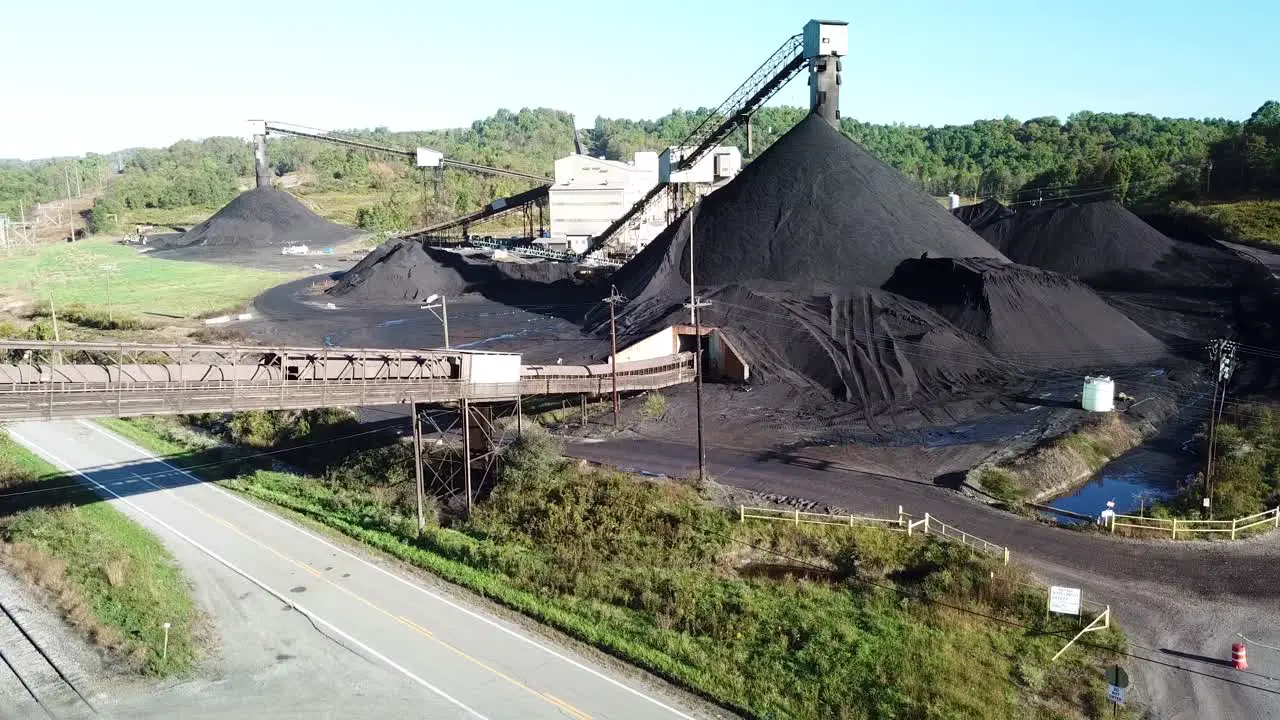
(1099, 394)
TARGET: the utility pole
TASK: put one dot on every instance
(614, 298)
(417, 465)
(693, 314)
(694, 304)
(444, 319)
(1223, 355)
(53, 312)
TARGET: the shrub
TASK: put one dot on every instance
(655, 405)
(1003, 484)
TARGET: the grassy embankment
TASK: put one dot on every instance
(1060, 464)
(110, 578)
(88, 276)
(1256, 221)
(768, 619)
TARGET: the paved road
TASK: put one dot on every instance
(463, 662)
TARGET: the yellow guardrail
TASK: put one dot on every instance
(927, 524)
(1176, 527)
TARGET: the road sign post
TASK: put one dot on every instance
(1117, 682)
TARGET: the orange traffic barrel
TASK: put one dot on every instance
(1237, 657)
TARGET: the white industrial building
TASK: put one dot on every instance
(590, 193)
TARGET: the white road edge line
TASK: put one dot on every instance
(392, 575)
(279, 596)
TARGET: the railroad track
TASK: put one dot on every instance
(31, 685)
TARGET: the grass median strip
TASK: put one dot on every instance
(842, 623)
(109, 577)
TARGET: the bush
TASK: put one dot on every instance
(1003, 484)
(388, 216)
(79, 314)
(105, 216)
(655, 405)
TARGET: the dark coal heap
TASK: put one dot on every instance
(980, 215)
(814, 207)
(1032, 318)
(401, 271)
(864, 346)
(1102, 244)
(262, 218)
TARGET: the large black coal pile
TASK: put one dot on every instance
(398, 271)
(1104, 245)
(1032, 318)
(868, 347)
(817, 207)
(790, 253)
(262, 218)
(401, 271)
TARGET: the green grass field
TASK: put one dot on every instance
(96, 271)
(184, 217)
(111, 579)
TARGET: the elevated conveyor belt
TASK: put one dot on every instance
(278, 128)
(494, 210)
(51, 380)
(773, 73)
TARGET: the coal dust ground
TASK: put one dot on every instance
(933, 442)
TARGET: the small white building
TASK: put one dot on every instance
(590, 193)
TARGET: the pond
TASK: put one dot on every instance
(1153, 471)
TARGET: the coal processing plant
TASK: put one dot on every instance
(822, 278)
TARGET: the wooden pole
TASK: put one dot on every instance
(417, 466)
(613, 300)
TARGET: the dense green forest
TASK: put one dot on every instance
(1131, 156)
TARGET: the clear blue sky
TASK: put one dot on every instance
(89, 75)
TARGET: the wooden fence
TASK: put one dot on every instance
(904, 522)
(1185, 528)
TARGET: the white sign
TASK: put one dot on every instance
(1115, 694)
(1064, 600)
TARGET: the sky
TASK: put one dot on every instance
(93, 76)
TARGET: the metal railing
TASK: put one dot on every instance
(932, 525)
(927, 524)
(799, 517)
(1176, 527)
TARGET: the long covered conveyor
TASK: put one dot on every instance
(52, 380)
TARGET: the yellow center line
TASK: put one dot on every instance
(550, 699)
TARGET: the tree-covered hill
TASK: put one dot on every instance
(1131, 156)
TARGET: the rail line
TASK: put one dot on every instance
(44, 682)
